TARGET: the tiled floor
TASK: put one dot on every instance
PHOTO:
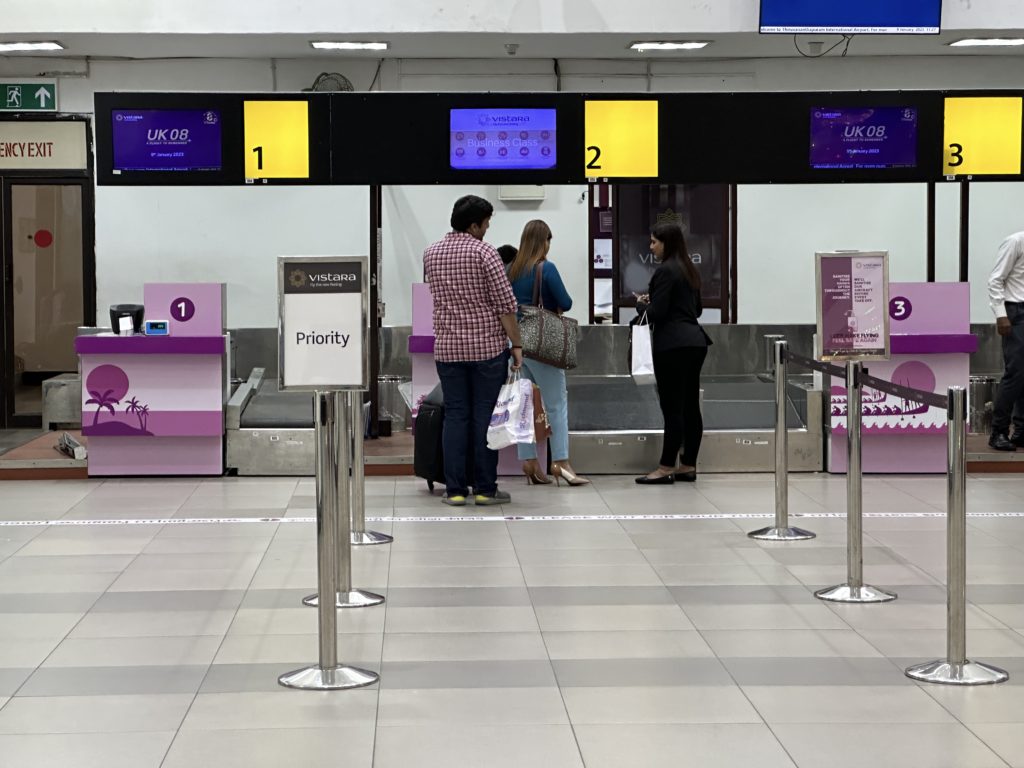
(566, 642)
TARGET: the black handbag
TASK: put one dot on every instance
(547, 336)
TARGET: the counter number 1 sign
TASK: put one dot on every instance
(276, 139)
(982, 137)
(621, 139)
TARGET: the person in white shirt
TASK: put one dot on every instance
(1006, 297)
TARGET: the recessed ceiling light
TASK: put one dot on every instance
(327, 45)
(989, 41)
(656, 46)
(31, 47)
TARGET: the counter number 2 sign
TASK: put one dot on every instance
(276, 139)
(621, 139)
(982, 136)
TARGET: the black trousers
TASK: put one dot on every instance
(677, 372)
(1011, 388)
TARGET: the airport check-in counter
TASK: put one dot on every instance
(614, 425)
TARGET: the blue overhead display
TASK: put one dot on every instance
(907, 17)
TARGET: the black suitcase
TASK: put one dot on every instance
(427, 455)
(427, 447)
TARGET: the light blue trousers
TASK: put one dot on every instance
(551, 381)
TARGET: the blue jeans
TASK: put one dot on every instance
(551, 381)
(470, 392)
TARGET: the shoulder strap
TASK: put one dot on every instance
(538, 278)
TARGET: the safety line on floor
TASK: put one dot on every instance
(482, 518)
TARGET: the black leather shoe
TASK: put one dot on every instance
(686, 477)
(663, 480)
(1001, 442)
(1017, 438)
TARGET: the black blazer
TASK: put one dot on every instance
(674, 309)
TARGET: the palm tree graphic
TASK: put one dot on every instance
(133, 406)
(101, 401)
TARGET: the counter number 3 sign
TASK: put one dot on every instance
(322, 329)
(982, 136)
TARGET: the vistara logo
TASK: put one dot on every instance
(297, 278)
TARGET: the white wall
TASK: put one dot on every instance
(996, 210)
(782, 226)
(253, 16)
(221, 234)
(416, 216)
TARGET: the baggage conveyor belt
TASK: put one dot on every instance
(614, 426)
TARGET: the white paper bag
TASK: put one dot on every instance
(512, 419)
(642, 362)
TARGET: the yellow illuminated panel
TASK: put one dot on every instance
(982, 136)
(276, 140)
(621, 139)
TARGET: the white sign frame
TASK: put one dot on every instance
(299, 375)
(881, 352)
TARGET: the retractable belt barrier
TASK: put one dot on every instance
(956, 668)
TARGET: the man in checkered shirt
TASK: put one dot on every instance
(474, 319)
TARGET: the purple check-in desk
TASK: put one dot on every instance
(154, 405)
(930, 345)
(424, 370)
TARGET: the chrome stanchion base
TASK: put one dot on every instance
(844, 593)
(367, 538)
(968, 673)
(781, 534)
(317, 678)
(356, 598)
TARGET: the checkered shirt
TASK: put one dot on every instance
(470, 291)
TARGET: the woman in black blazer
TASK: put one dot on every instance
(680, 346)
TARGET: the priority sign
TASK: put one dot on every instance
(28, 97)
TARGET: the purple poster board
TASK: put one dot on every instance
(166, 139)
(853, 305)
(863, 137)
(502, 139)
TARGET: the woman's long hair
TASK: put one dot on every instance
(532, 249)
(675, 248)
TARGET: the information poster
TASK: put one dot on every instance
(322, 322)
(853, 305)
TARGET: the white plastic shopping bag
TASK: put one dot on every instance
(642, 362)
(512, 419)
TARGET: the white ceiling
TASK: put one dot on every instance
(530, 46)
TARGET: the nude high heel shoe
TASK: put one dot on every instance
(562, 471)
(534, 475)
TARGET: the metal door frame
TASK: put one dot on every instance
(8, 418)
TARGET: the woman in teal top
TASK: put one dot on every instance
(522, 272)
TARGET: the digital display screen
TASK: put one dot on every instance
(863, 137)
(502, 139)
(166, 139)
(861, 17)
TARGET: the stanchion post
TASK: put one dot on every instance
(956, 669)
(854, 590)
(781, 531)
(361, 536)
(770, 363)
(327, 674)
(346, 595)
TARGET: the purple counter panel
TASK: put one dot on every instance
(422, 310)
(931, 346)
(152, 406)
(193, 309)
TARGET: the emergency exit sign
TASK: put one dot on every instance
(40, 96)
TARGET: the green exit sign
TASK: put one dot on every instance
(28, 97)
